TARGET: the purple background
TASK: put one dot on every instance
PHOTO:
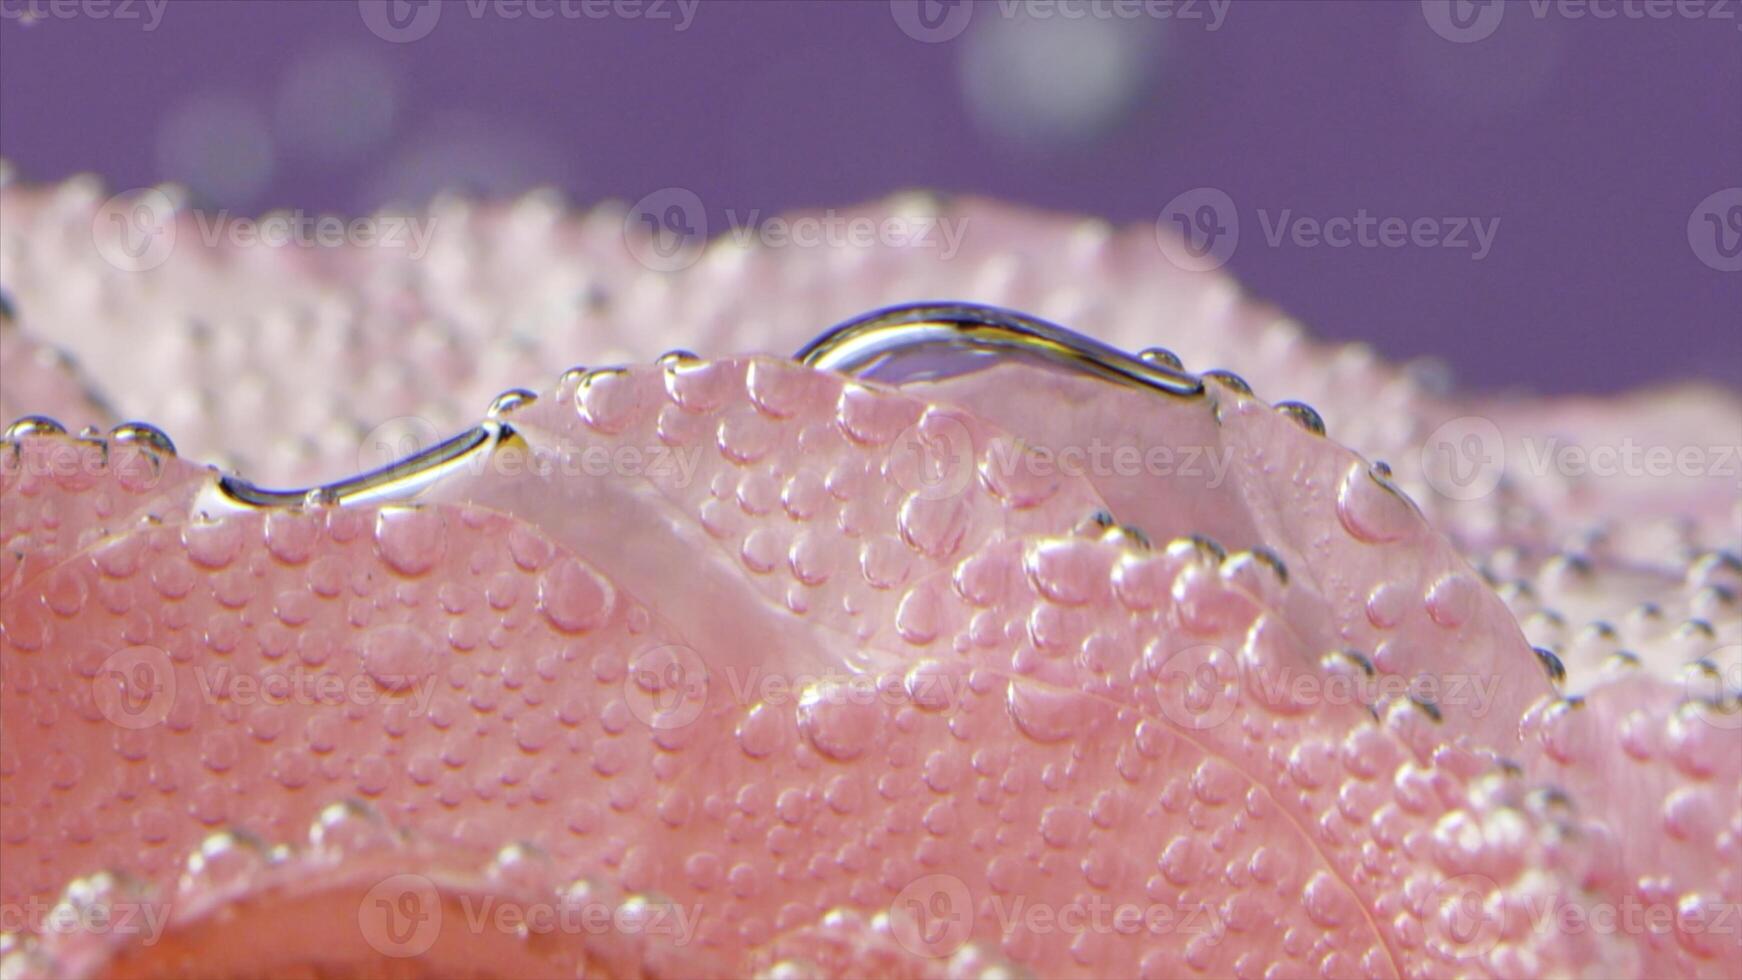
(1591, 140)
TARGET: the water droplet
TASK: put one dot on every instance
(1007, 469)
(608, 399)
(411, 539)
(213, 544)
(1161, 356)
(291, 535)
(574, 597)
(1067, 572)
(1303, 415)
(1063, 826)
(932, 685)
(1451, 601)
(1181, 861)
(1327, 903)
(761, 731)
(1049, 714)
(839, 719)
(778, 387)
(145, 436)
(1371, 509)
(917, 618)
(33, 425)
(761, 550)
(398, 656)
(698, 386)
(745, 437)
(873, 418)
(65, 591)
(934, 526)
(1387, 604)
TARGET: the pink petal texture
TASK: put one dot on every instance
(545, 656)
(727, 665)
